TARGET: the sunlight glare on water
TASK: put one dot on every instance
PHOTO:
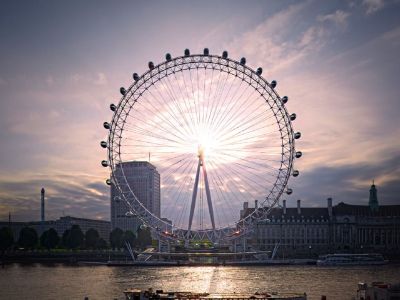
(101, 282)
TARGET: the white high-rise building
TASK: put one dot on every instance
(144, 180)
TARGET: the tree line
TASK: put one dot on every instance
(72, 238)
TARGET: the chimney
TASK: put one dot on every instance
(255, 204)
(330, 207)
(284, 206)
(42, 205)
(245, 205)
(298, 207)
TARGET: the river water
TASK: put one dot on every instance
(60, 281)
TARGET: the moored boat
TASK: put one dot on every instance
(136, 294)
(351, 259)
(378, 290)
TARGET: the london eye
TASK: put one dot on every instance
(219, 135)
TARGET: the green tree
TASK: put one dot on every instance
(75, 238)
(49, 239)
(64, 239)
(6, 238)
(143, 237)
(28, 238)
(101, 244)
(116, 238)
(91, 238)
(129, 237)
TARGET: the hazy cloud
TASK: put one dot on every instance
(339, 18)
(372, 6)
(56, 88)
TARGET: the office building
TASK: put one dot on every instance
(144, 180)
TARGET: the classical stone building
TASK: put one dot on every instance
(317, 230)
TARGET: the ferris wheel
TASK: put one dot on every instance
(218, 134)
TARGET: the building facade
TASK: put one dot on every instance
(144, 180)
(344, 227)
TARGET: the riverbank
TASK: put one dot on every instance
(123, 258)
(67, 256)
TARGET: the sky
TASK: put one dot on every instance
(62, 64)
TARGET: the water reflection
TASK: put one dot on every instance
(100, 282)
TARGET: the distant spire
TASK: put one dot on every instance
(373, 197)
(42, 218)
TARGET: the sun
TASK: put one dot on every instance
(207, 142)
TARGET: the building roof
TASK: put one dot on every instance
(83, 219)
(365, 210)
(337, 210)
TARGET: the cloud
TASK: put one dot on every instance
(79, 195)
(372, 6)
(50, 80)
(283, 41)
(100, 79)
(350, 183)
(96, 79)
(339, 18)
(346, 100)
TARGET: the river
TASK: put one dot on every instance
(59, 281)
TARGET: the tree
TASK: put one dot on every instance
(91, 238)
(116, 238)
(76, 237)
(49, 239)
(6, 238)
(101, 244)
(129, 237)
(143, 237)
(64, 239)
(28, 238)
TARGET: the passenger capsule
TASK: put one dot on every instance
(206, 51)
(104, 163)
(292, 117)
(225, 54)
(296, 173)
(187, 52)
(122, 90)
(108, 182)
(113, 107)
(259, 71)
(106, 125)
(103, 144)
(289, 191)
(168, 57)
(284, 99)
(135, 76)
(243, 61)
(297, 135)
(151, 65)
(299, 154)
(273, 83)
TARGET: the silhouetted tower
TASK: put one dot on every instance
(373, 197)
(42, 205)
